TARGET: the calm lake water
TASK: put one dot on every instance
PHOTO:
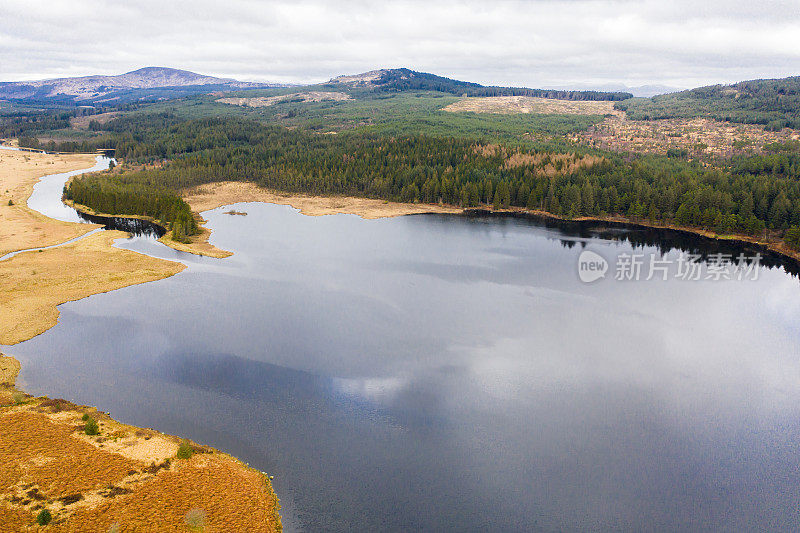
(447, 373)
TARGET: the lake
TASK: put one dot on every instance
(453, 373)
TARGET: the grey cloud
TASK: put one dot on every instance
(531, 43)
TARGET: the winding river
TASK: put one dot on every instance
(46, 199)
(453, 373)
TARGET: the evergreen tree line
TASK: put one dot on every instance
(125, 195)
(53, 146)
(403, 79)
(750, 196)
(25, 123)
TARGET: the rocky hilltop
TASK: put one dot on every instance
(105, 88)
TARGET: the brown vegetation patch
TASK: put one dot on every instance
(232, 498)
(265, 101)
(89, 483)
(549, 164)
(15, 519)
(56, 405)
(509, 105)
(9, 368)
(82, 123)
(699, 137)
(28, 439)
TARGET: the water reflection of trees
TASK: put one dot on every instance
(664, 240)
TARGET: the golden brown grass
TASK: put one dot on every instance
(21, 227)
(225, 193)
(9, 368)
(88, 485)
(231, 496)
(32, 284)
(56, 461)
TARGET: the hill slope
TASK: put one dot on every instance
(773, 102)
(143, 83)
(403, 79)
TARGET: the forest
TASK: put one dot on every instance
(126, 195)
(751, 195)
(773, 103)
(24, 123)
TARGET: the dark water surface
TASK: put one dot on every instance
(445, 373)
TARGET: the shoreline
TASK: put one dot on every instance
(308, 206)
(221, 194)
(36, 283)
(623, 222)
(125, 474)
(199, 245)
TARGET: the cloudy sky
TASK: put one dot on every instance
(533, 43)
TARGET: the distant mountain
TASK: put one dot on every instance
(147, 83)
(639, 91)
(646, 91)
(774, 103)
(403, 79)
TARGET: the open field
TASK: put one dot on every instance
(265, 101)
(698, 136)
(82, 122)
(530, 104)
(225, 193)
(32, 284)
(20, 227)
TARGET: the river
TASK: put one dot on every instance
(453, 373)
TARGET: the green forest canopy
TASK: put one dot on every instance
(749, 196)
(403, 79)
(774, 103)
